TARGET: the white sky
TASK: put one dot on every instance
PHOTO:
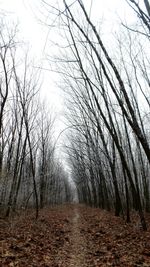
(27, 12)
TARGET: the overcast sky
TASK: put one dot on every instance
(29, 13)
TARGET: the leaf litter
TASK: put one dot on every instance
(73, 236)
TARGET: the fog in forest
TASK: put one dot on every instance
(75, 112)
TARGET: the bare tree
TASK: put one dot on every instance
(105, 94)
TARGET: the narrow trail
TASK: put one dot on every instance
(74, 251)
(78, 253)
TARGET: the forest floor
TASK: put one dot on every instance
(73, 235)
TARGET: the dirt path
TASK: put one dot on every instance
(74, 251)
(78, 253)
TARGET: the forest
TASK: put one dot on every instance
(94, 203)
